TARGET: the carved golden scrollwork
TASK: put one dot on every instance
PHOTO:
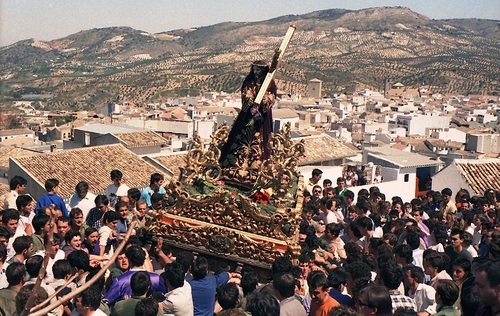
(229, 223)
(204, 164)
(219, 240)
(278, 171)
(248, 161)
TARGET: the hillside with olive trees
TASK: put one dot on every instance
(339, 47)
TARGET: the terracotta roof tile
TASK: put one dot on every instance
(420, 148)
(180, 116)
(13, 152)
(443, 143)
(399, 146)
(323, 148)
(480, 174)
(351, 147)
(140, 138)
(410, 141)
(92, 164)
(173, 162)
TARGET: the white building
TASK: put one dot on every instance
(485, 143)
(314, 88)
(416, 124)
(451, 134)
(179, 128)
(486, 118)
(404, 172)
(13, 133)
(374, 127)
(283, 116)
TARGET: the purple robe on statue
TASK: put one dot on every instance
(253, 117)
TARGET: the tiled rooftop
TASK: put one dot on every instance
(480, 174)
(401, 158)
(399, 146)
(92, 164)
(13, 152)
(173, 162)
(141, 138)
(323, 148)
(442, 143)
(107, 128)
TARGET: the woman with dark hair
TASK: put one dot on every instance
(374, 299)
(107, 233)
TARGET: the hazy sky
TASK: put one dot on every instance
(51, 19)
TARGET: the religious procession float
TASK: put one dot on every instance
(239, 197)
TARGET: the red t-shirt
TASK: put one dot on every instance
(322, 309)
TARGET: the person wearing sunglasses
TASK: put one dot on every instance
(317, 192)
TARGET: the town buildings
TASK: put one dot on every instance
(405, 134)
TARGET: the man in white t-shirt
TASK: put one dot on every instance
(117, 188)
(178, 301)
(25, 206)
(17, 186)
(83, 199)
(328, 216)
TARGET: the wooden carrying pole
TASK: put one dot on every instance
(96, 277)
(270, 75)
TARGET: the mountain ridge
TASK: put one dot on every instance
(337, 46)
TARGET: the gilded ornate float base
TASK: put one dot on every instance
(251, 223)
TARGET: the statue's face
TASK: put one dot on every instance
(258, 71)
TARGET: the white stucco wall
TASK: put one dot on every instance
(329, 172)
(451, 178)
(406, 190)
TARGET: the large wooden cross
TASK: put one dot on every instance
(278, 55)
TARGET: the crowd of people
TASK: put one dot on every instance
(367, 255)
(436, 254)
